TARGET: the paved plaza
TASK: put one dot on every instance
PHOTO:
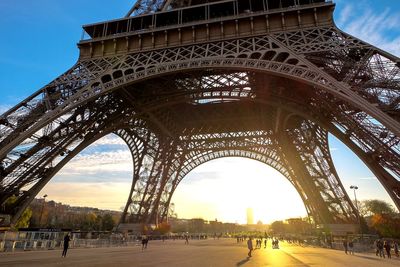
(204, 253)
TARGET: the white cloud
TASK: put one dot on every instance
(380, 28)
(368, 178)
(345, 14)
(114, 166)
(110, 139)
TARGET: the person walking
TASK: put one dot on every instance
(377, 247)
(380, 248)
(65, 245)
(351, 247)
(186, 240)
(396, 249)
(145, 240)
(250, 246)
(387, 247)
(345, 246)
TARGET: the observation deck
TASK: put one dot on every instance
(202, 22)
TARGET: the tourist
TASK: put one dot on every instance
(265, 243)
(186, 240)
(396, 248)
(380, 248)
(145, 241)
(249, 246)
(351, 247)
(345, 246)
(66, 245)
(387, 247)
(275, 243)
(377, 247)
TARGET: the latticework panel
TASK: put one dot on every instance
(180, 106)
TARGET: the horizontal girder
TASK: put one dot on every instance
(268, 88)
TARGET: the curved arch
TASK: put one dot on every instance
(236, 153)
(391, 184)
(269, 160)
(309, 75)
(91, 137)
(296, 111)
(24, 201)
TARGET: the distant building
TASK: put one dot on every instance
(250, 216)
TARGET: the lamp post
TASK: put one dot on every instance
(41, 212)
(354, 187)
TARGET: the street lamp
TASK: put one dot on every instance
(41, 212)
(354, 187)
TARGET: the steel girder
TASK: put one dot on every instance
(357, 83)
(316, 181)
(142, 7)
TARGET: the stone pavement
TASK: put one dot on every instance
(204, 253)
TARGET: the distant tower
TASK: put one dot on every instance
(250, 216)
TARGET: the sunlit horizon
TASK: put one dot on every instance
(221, 189)
(101, 175)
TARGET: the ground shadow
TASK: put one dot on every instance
(242, 262)
(366, 257)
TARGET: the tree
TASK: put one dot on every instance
(386, 225)
(163, 228)
(107, 222)
(278, 227)
(375, 206)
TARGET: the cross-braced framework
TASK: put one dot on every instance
(185, 82)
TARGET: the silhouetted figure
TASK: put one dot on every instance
(265, 243)
(249, 246)
(275, 243)
(66, 245)
(396, 248)
(145, 241)
(186, 240)
(345, 246)
(351, 247)
(379, 246)
(387, 247)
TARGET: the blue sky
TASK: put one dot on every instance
(38, 43)
(39, 37)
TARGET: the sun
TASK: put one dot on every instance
(223, 189)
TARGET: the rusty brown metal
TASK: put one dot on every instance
(185, 82)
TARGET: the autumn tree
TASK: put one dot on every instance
(386, 225)
(384, 220)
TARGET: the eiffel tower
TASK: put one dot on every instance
(183, 82)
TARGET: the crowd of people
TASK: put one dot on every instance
(259, 242)
(385, 247)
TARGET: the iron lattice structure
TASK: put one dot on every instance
(185, 82)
